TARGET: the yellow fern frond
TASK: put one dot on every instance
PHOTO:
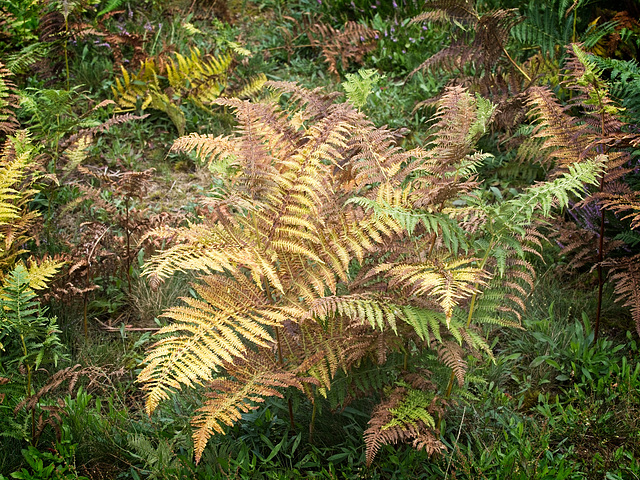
(205, 334)
(449, 281)
(41, 274)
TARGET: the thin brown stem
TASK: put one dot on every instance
(280, 356)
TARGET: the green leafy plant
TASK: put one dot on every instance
(46, 465)
(198, 78)
(359, 86)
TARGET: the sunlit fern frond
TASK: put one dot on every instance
(205, 333)
(18, 171)
(395, 204)
(250, 87)
(42, 273)
(450, 281)
(136, 87)
(209, 149)
(200, 247)
(378, 313)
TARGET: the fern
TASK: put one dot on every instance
(359, 86)
(407, 415)
(110, 7)
(330, 249)
(8, 104)
(624, 83)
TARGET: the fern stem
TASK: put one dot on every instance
(279, 348)
(601, 233)
(28, 390)
(516, 65)
(513, 62)
(84, 315)
(128, 239)
(312, 424)
(66, 46)
(472, 307)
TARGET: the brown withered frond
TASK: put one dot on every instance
(485, 48)
(564, 140)
(625, 274)
(8, 104)
(628, 203)
(51, 415)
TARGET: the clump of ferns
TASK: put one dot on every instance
(501, 54)
(163, 85)
(590, 128)
(109, 240)
(332, 250)
(28, 339)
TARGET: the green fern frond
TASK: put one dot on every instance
(20, 63)
(412, 409)
(359, 86)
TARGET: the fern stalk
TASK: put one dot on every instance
(279, 345)
(66, 46)
(601, 233)
(472, 307)
(28, 390)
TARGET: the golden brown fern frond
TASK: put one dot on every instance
(625, 274)
(249, 381)
(8, 103)
(564, 139)
(452, 355)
